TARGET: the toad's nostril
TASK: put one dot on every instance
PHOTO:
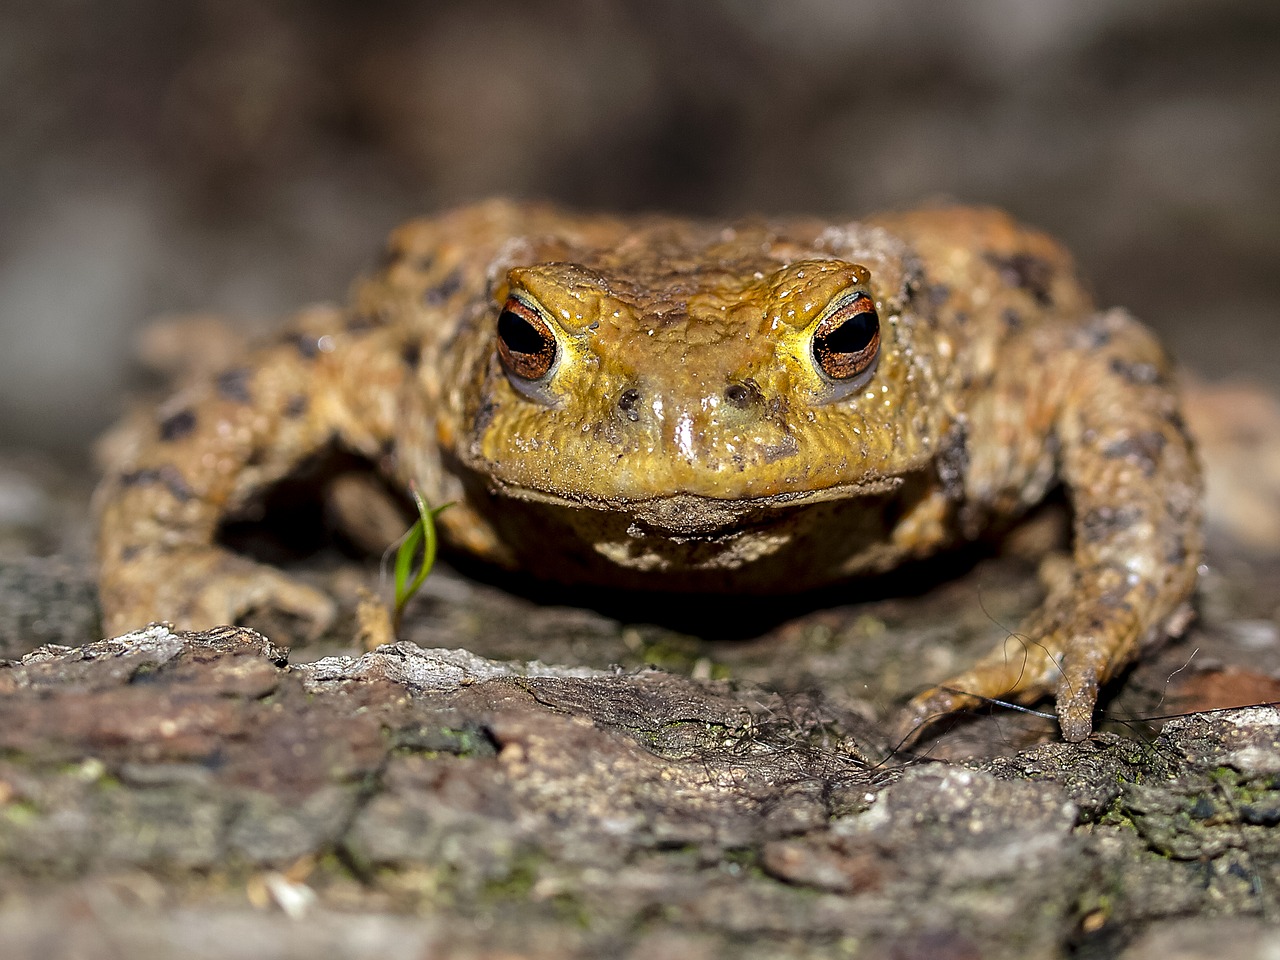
(629, 404)
(742, 395)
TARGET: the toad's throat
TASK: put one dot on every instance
(688, 514)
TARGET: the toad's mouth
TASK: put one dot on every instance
(689, 514)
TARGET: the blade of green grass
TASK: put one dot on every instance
(420, 538)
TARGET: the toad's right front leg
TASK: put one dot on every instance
(210, 449)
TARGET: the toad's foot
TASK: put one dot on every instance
(201, 587)
(1067, 650)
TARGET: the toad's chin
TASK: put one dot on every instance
(693, 515)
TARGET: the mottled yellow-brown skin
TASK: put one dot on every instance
(685, 438)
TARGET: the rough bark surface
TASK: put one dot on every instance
(197, 794)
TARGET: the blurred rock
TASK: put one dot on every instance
(1237, 427)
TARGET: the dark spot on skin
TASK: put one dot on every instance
(629, 404)
(411, 354)
(1176, 553)
(177, 426)
(1012, 319)
(1102, 522)
(1137, 374)
(233, 385)
(131, 552)
(484, 416)
(952, 461)
(961, 318)
(442, 291)
(167, 476)
(938, 294)
(743, 395)
(913, 278)
(1143, 449)
(1026, 272)
(787, 447)
(295, 406)
(362, 323)
(1115, 600)
(1182, 503)
(306, 345)
(1097, 333)
(176, 484)
(1175, 420)
(395, 254)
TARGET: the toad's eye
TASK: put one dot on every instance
(847, 340)
(526, 344)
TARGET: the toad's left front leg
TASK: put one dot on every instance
(1135, 490)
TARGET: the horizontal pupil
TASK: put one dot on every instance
(853, 335)
(519, 334)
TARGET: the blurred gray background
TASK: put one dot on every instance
(246, 156)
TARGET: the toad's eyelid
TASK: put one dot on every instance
(523, 304)
(555, 322)
(842, 300)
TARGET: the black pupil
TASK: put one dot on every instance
(853, 335)
(519, 334)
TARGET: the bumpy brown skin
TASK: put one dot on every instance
(685, 438)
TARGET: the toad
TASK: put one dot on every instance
(658, 403)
